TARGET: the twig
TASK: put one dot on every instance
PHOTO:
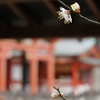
(60, 93)
(92, 21)
(79, 15)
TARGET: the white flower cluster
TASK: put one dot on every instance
(66, 14)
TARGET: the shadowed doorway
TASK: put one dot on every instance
(42, 76)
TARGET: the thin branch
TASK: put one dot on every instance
(92, 21)
(79, 15)
(60, 93)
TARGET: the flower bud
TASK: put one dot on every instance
(62, 94)
(75, 7)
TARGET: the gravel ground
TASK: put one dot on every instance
(25, 96)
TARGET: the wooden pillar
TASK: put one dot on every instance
(3, 72)
(34, 76)
(75, 73)
(51, 73)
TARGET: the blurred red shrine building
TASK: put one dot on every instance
(43, 65)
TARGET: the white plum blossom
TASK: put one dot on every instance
(65, 14)
(76, 7)
(56, 95)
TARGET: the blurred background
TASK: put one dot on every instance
(38, 51)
